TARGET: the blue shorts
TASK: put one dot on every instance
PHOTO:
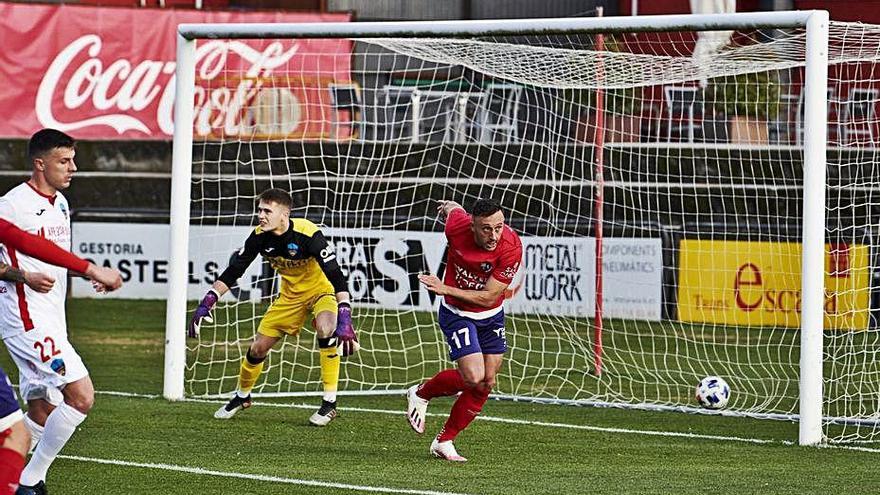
(8, 403)
(468, 336)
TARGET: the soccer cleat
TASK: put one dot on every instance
(445, 450)
(325, 414)
(38, 489)
(233, 406)
(416, 409)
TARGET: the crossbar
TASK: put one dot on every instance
(499, 27)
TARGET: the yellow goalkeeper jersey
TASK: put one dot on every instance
(301, 255)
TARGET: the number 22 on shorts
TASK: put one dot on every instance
(47, 349)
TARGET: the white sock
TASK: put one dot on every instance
(330, 396)
(60, 425)
(35, 430)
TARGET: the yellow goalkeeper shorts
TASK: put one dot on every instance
(287, 315)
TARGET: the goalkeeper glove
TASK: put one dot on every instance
(348, 341)
(203, 312)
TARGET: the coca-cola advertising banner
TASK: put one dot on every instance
(108, 73)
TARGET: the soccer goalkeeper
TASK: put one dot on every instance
(311, 283)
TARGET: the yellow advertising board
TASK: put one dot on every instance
(759, 284)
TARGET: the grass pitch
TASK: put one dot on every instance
(138, 443)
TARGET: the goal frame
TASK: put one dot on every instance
(815, 23)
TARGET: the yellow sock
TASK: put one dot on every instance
(248, 375)
(329, 368)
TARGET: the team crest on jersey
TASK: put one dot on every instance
(63, 209)
(486, 266)
(510, 271)
(57, 366)
(292, 248)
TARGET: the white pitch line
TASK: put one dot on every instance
(850, 447)
(128, 394)
(255, 477)
(600, 429)
(494, 419)
(606, 429)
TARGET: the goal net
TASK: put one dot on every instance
(684, 152)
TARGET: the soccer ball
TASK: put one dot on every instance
(713, 392)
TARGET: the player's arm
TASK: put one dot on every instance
(320, 249)
(499, 280)
(37, 281)
(326, 258)
(10, 274)
(109, 279)
(39, 248)
(486, 297)
(45, 250)
(445, 207)
(237, 266)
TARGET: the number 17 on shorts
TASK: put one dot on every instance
(467, 336)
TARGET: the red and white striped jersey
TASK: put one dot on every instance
(22, 309)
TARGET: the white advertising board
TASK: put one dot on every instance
(557, 276)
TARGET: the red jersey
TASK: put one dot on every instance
(469, 266)
(37, 247)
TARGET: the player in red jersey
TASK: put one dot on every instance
(484, 255)
(14, 436)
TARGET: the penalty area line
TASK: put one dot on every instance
(255, 477)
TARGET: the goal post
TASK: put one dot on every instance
(813, 265)
(544, 198)
(181, 177)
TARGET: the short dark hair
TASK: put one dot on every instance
(46, 140)
(484, 207)
(277, 196)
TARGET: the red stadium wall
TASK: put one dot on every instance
(659, 7)
(850, 10)
(287, 5)
(189, 4)
(841, 76)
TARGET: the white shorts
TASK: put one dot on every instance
(46, 362)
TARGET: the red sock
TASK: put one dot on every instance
(466, 408)
(444, 384)
(11, 464)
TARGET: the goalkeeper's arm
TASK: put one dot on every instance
(320, 249)
(240, 262)
(326, 257)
